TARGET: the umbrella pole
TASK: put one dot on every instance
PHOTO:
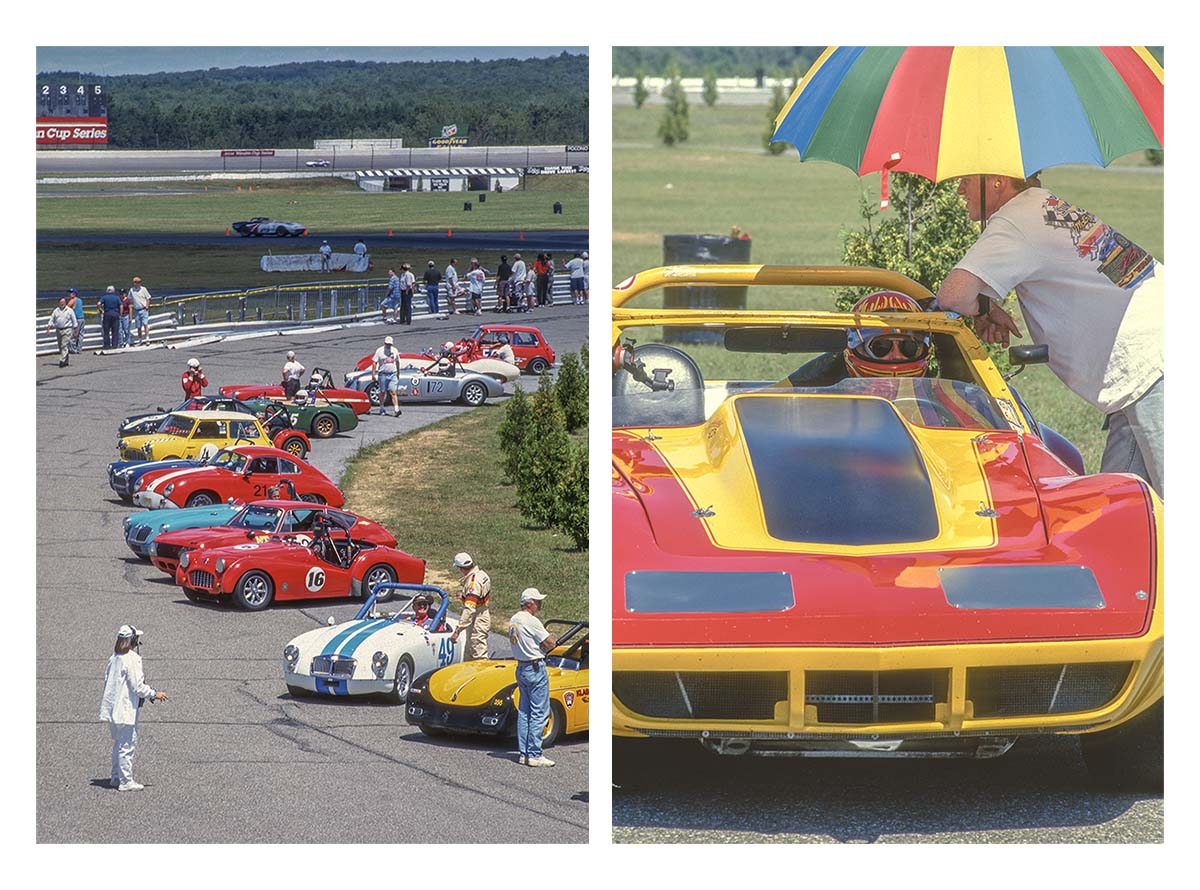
(982, 203)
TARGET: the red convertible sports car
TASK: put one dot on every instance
(255, 574)
(327, 392)
(258, 522)
(246, 476)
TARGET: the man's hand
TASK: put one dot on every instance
(996, 326)
(160, 696)
(454, 637)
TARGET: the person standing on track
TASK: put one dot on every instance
(76, 304)
(140, 297)
(575, 269)
(475, 279)
(110, 317)
(62, 324)
(126, 330)
(452, 287)
(530, 643)
(391, 299)
(124, 691)
(517, 285)
(293, 373)
(432, 279)
(503, 276)
(408, 283)
(383, 370)
(326, 253)
(586, 276)
(194, 380)
(476, 620)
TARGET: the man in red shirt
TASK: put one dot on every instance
(194, 380)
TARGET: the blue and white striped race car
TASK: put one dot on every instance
(378, 653)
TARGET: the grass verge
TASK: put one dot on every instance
(440, 490)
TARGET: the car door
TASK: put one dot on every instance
(206, 432)
(308, 576)
(263, 473)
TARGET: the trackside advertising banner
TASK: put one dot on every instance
(72, 131)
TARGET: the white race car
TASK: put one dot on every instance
(321, 162)
(261, 225)
(377, 653)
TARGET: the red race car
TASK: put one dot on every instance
(531, 352)
(247, 476)
(325, 391)
(255, 574)
(258, 522)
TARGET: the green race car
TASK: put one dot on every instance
(321, 418)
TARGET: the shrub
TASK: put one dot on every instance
(571, 516)
(571, 390)
(544, 457)
(514, 431)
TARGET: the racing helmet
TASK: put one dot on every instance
(886, 352)
(420, 600)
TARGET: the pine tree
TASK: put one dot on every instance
(571, 390)
(513, 431)
(544, 458)
(571, 516)
(640, 93)
(710, 88)
(674, 126)
(778, 100)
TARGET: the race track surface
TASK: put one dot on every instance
(232, 757)
(563, 240)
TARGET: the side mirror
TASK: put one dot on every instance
(1037, 354)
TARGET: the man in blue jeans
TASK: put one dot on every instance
(530, 643)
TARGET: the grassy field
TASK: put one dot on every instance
(440, 490)
(796, 214)
(331, 208)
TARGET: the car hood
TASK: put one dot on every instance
(163, 478)
(789, 530)
(361, 635)
(188, 517)
(472, 683)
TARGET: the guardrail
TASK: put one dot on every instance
(273, 307)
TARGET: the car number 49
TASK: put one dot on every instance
(445, 652)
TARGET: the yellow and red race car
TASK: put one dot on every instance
(818, 559)
(481, 697)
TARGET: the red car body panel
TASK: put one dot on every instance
(1046, 516)
(351, 398)
(226, 484)
(293, 569)
(175, 542)
(468, 350)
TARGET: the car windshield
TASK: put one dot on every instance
(174, 425)
(257, 518)
(478, 334)
(194, 404)
(229, 460)
(679, 376)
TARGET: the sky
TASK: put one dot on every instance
(152, 59)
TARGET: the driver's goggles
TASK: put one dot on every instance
(896, 348)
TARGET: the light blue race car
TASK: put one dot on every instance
(142, 528)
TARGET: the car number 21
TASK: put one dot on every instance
(445, 652)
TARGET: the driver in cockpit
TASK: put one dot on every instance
(870, 352)
(421, 616)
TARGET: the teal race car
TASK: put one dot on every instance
(142, 528)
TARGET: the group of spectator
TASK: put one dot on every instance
(520, 286)
(124, 314)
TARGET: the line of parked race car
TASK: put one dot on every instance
(236, 515)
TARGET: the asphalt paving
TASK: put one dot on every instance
(231, 757)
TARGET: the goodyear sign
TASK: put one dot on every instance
(447, 141)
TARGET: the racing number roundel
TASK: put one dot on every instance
(315, 579)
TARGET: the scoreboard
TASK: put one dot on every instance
(72, 114)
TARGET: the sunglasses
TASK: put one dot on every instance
(886, 347)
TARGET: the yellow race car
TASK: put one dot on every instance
(481, 697)
(184, 434)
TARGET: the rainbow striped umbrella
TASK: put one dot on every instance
(947, 111)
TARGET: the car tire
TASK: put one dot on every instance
(311, 498)
(201, 499)
(555, 725)
(281, 232)
(402, 682)
(254, 591)
(295, 446)
(171, 457)
(538, 366)
(379, 574)
(434, 732)
(372, 393)
(324, 426)
(299, 691)
(1128, 757)
(193, 594)
(474, 394)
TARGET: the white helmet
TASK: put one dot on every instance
(463, 561)
(448, 345)
(193, 363)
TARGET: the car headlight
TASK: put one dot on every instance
(379, 664)
(170, 488)
(291, 655)
(165, 527)
(141, 483)
(154, 548)
(185, 560)
(147, 449)
(125, 523)
(220, 565)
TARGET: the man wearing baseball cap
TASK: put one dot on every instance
(124, 691)
(530, 642)
(293, 371)
(476, 620)
(140, 297)
(383, 371)
(76, 303)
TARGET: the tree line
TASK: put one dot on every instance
(501, 102)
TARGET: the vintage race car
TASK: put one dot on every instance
(261, 225)
(255, 574)
(197, 434)
(272, 415)
(531, 352)
(378, 653)
(481, 697)
(322, 396)
(256, 521)
(142, 529)
(875, 566)
(319, 162)
(246, 475)
(463, 356)
(431, 380)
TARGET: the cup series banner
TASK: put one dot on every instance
(72, 131)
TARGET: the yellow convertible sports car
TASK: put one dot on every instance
(846, 534)
(184, 434)
(481, 697)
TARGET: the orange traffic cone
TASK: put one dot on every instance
(449, 233)
(226, 231)
(522, 236)
(389, 233)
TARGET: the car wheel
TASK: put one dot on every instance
(172, 457)
(403, 682)
(555, 725)
(312, 498)
(372, 392)
(538, 366)
(193, 594)
(1130, 756)
(254, 591)
(281, 233)
(324, 426)
(201, 499)
(295, 446)
(434, 732)
(473, 394)
(379, 574)
(299, 691)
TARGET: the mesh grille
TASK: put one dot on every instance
(1044, 688)
(201, 579)
(850, 697)
(140, 534)
(168, 551)
(332, 666)
(701, 696)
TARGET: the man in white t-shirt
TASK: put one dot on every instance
(293, 373)
(530, 642)
(1091, 294)
(575, 269)
(383, 370)
(453, 289)
(516, 286)
(140, 298)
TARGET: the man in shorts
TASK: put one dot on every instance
(140, 297)
(383, 370)
(391, 300)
